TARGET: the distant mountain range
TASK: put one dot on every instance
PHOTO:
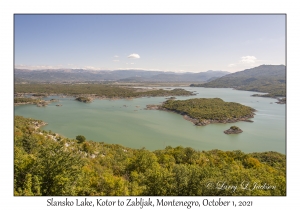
(265, 78)
(80, 75)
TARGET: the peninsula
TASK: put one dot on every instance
(99, 91)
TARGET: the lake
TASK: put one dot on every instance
(126, 122)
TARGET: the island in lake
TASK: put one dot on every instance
(233, 130)
(84, 99)
(204, 111)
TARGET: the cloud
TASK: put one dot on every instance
(116, 56)
(248, 59)
(245, 61)
(133, 56)
(36, 67)
(115, 60)
(90, 68)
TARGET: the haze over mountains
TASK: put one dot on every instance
(269, 79)
(80, 75)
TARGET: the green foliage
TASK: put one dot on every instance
(208, 109)
(80, 138)
(99, 90)
(26, 100)
(234, 128)
(44, 166)
(83, 99)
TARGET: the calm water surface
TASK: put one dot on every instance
(126, 122)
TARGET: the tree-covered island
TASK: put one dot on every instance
(233, 130)
(203, 111)
(84, 99)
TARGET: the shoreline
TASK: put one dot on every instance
(95, 96)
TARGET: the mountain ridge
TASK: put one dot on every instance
(81, 75)
(270, 79)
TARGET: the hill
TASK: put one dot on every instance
(269, 79)
(80, 75)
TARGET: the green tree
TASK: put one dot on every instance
(80, 138)
(58, 169)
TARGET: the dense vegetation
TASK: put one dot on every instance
(234, 128)
(83, 99)
(269, 79)
(48, 164)
(26, 100)
(209, 109)
(98, 90)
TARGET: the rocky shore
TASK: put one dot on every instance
(38, 124)
(84, 99)
(281, 101)
(233, 130)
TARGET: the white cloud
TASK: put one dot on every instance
(116, 56)
(132, 63)
(36, 67)
(245, 61)
(248, 59)
(91, 68)
(133, 56)
(115, 60)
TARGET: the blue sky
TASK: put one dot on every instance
(178, 43)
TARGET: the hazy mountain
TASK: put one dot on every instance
(80, 75)
(264, 78)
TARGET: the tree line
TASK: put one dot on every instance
(98, 90)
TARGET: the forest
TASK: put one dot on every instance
(47, 164)
(25, 100)
(209, 109)
(98, 90)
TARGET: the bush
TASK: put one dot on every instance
(234, 128)
(80, 138)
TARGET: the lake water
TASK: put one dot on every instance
(126, 122)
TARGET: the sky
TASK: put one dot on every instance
(176, 43)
